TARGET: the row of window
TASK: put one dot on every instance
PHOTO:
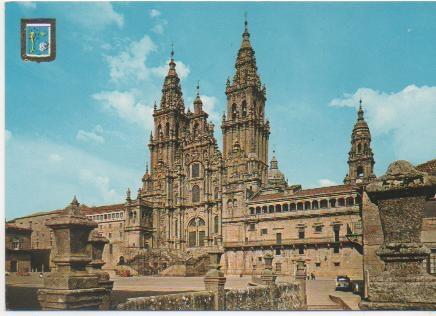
(106, 216)
(264, 231)
(101, 226)
(308, 205)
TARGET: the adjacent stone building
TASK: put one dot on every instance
(17, 249)
(195, 196)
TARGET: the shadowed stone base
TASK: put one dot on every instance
(81, 299)
(364, 305)
(401, 293)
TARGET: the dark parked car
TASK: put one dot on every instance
(343, 283)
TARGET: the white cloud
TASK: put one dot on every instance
(95, 16)
(99, 182)
(408, 115)
(158, 29)
(55, 158)
(154, 13)
(131, 63)
(210, 106)
(326, 182)
(94, 180)
(27, 5)
(95, 135)
(182, 69)
(8, 135)
(127, 106)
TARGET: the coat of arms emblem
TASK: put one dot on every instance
(38, 39)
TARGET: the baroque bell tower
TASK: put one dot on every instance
(169, 120)
(360, 158)
(245, 123)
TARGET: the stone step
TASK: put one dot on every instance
(323, 308)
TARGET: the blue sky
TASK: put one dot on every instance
(80, 125)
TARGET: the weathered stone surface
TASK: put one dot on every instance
(70, 286)
(401, 195)
(191, 301)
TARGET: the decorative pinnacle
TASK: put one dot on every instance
(74, 201)
(360, 112)
(245, 35)
(198, 88)
(172, 50)
(128, 194)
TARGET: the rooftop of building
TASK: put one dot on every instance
(17, 228)
(311, 192)
(87, 210)
(429, 167)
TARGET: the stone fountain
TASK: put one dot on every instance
(71, 286)
(405, 284)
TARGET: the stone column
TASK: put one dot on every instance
(214, 280)
(267, 276)
(404, 285)
(301, 277)
(96, 245)
(71, 287)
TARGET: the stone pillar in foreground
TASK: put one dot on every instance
(214, 280)
(405, 284)
(71, 287)
(267, 276)
(96, 245)
(301, 277)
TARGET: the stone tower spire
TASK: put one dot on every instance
(172, 90)
(360, 158)
(198, 104)
(169, 119)
(245, 119)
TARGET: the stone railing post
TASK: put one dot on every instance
(301, 277)
(70, 286)
(404, 284)
(214, 280)
(95, 247)
(267, 276)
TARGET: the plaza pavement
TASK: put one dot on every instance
(318, 291)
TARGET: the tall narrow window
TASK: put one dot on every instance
(234, 111)
(195, 170)
(167, 129)
(244, 108)
(216, 224)
(195, 194)
(159, 131)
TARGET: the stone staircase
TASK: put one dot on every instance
(169, 262)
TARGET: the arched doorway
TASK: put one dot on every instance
(196, 232)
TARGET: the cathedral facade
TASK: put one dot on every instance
(195, 196)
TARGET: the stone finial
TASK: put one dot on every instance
(128, 198)
(401, 174)
(73, 208)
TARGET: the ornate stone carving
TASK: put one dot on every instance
(400, 196)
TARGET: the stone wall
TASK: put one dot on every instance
(372, 239)
(190, 301)
(282, 296)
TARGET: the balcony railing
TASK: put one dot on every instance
(284, 242)
(16, 245)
